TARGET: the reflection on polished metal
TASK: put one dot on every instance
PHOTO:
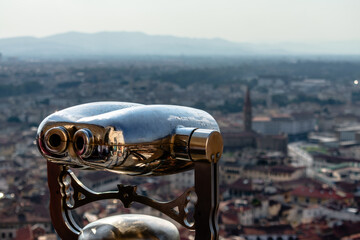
(132, 139)
(127, 227)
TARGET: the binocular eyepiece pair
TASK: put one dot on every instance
(56, 141)
(130, 138)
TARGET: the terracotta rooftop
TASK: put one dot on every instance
(24, 233)
(276, 229)
(309, 182)
(229, 218)
(242, 184)
(322, 193)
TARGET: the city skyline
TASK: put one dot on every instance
(295, 173)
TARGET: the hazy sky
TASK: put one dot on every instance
(235, 20)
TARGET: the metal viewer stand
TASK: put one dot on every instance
(133, 139)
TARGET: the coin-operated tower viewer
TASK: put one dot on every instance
(138, 140)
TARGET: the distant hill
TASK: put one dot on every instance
(74, 44)
(117, 43)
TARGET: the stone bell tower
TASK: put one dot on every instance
(247, 112)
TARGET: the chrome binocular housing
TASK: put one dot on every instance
(130, 138)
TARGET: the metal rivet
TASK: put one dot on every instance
(212, 157)
(218, 155)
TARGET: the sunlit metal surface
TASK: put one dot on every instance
(130, 227)
(130, 138)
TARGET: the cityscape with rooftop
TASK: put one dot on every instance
(281, 79)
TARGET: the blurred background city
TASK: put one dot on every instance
(281, 79)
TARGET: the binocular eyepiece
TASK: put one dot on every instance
(56, 140)
(83, 143)
(130, 138)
